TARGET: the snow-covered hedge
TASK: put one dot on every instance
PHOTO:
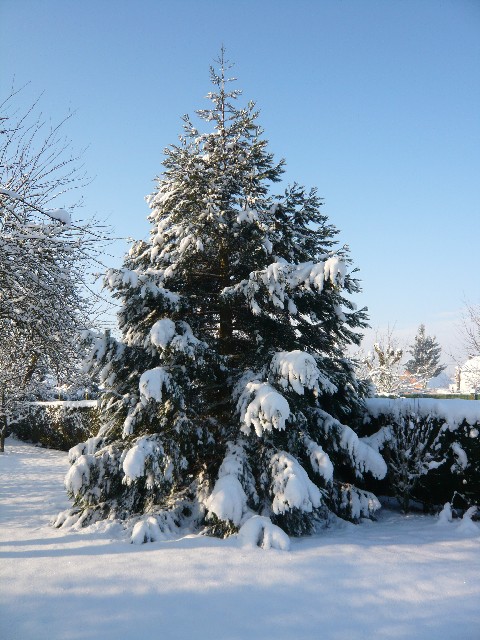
(432, 448)
(57, 425)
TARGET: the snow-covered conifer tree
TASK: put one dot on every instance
(425, 362)
(229, 393)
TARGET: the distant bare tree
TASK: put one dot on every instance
(471, 329)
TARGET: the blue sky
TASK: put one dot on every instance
(375, 102)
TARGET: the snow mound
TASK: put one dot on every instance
(146, 530)
(445, 516)
(259, 531)
(467, 526)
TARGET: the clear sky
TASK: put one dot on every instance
(375, 102)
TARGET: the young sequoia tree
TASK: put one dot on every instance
(229, 393)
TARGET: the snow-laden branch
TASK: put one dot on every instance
(281, 281)
(59, 215)
(266, 411)
(299, 370)
(363, 457)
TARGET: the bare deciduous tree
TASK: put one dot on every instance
(471, 329)
(44, 256)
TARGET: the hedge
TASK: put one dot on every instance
(56, 425)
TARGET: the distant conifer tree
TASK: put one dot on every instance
(425, 362)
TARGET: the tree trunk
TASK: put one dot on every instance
(225, 331)
(3, 425)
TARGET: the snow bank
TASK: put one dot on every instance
(445, 516)
(467, 526)
(464, 527)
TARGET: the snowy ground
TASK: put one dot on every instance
(396, 578)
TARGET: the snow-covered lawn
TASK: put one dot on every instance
(396, 578)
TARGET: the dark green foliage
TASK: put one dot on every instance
(452, 477)
(55, 425)
(429, 460)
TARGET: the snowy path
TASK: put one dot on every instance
(400, 578)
